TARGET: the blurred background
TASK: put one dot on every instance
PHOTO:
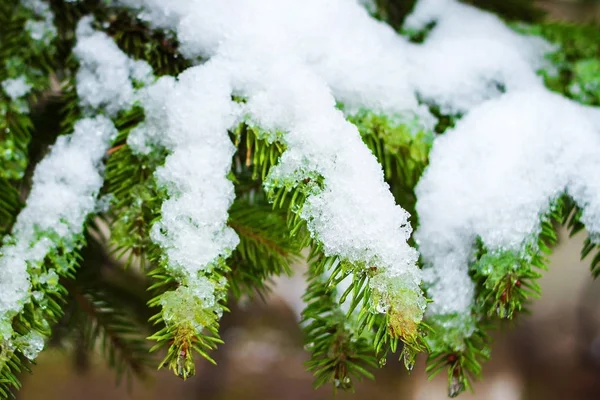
(554, 353)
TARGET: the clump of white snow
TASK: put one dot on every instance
(41, 29)
(151, 133)
(104, 79)
(63, 193)
(495, 175)
(470, 56)
(191, 118)
(16, 88)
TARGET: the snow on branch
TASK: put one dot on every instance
(284, 67)
(518, 154)
(65, 185)
(290, 76)
(105, 79)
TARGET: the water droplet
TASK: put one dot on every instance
(455, 387)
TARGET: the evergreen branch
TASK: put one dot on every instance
(257, 153)
(34, 322)
(459, 344)
(187, 324)
(507, 280)
(338, 353)
(133, 36)
(107, 322)
(28, 61)
(15, 133)
(11, 367)
(265, 249)
(10, 204)
(398, 323)
(576, 62)
(139, 41)
(136, 200)
(101, 310)
(572, 221)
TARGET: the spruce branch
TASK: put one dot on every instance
(265, 249)
(458, 344)
(576, 61)
(185, 324)
(384, 332)
(122, 343)
(10, 204)
(25, 65)
(392, 328)
(34, 322)
(100, 310)
(141, 42)
(507, 280)
(571, 219)
(338, 354)
(135, 197)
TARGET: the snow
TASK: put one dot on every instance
(41, 29)
(468, 57)
(16, 88)
(509, 172)
(287, 67)
(64, 187)
(104, 79)
(471, 56)
(150, 134)
(191, 118)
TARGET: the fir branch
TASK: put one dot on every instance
(136, 200)
(265, 249)
(571, 219)
(393, 327)
(135, 208)
(576, 62)
(11, 366)
(101, 310)
(182, 314)
(458, 344)
(37, 316)
(133, 36)
(138, 40)
(103, 320)
(507, 280)
(10, 204)
(30, 62)
(257, 153)
(338, 353)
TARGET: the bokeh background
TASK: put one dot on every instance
(553, 353)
